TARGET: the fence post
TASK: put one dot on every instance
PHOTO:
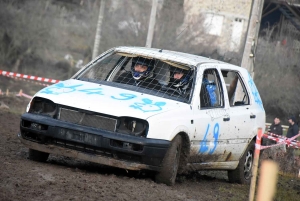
(255, 163)
(267, 181)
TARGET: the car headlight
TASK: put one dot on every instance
(132, 126)
(42, 106)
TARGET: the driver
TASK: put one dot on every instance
(141, 74)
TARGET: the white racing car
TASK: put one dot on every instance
(141, 108)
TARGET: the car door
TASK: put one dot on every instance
(242, 117)
(211, 117)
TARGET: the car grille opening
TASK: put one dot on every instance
(85, 119)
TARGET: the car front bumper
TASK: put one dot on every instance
(54, 136)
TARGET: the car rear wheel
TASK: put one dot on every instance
(38, 155)
(243, 173)
(170, 164)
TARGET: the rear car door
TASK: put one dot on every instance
(242, 115)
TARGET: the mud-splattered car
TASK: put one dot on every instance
(140, 108)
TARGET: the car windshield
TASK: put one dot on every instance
(153, 76)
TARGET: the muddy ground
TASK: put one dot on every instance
(62, 178)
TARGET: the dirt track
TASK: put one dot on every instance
(62, 178)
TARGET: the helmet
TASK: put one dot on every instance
(183, 81)
(145, 62)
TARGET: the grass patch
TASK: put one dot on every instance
(234, 192)
(288, 188)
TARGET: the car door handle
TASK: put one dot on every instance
(226, 119)
(252, 116)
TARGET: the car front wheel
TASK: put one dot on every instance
(243, 173)
(170, 164)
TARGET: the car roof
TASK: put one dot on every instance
(180, 57)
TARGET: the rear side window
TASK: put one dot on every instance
(237, 93)
(211, 94)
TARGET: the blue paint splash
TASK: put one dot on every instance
(255, 93)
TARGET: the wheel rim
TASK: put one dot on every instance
(248, 165)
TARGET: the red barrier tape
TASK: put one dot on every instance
(30, 81)
(291, 142)
(30, 77)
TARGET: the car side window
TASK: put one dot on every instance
(100, 70)
(237, 93)
(211, 94)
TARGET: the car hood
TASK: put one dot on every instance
(107, 99)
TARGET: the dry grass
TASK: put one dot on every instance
(277, 73)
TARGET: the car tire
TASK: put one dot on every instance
(168, 172)
(243, 173)
(38, 155)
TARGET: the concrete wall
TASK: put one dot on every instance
(220, 24)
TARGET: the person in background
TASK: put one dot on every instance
(276, 127)
(292, 131)
(293, 128)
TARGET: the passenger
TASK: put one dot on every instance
(141, 74)
(180, 81)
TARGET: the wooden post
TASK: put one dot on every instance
(98, 31)
(252, 35)
(248, 58)
(151, 23)
(255, 164)
(267, 181)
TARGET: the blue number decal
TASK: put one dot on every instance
(60, 88)
(92, 91)
(124, 96)
(148, 105)
(203, 144)
(216, 136)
